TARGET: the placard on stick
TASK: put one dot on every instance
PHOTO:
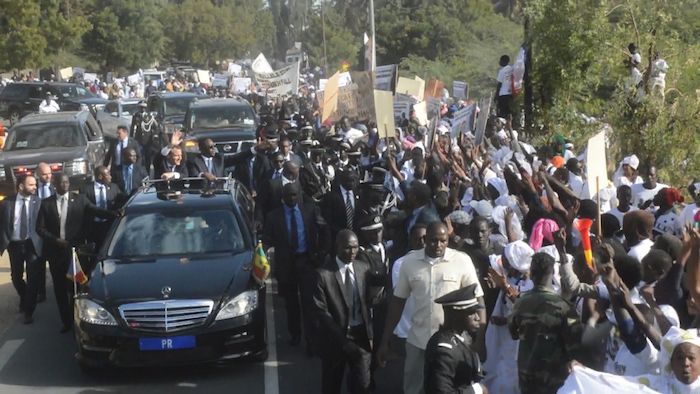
(384, 109)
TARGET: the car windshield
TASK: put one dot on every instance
(218, 117)
(45, 136)
(176, 233)
(130, 109)
(74, 91)
(177, 106)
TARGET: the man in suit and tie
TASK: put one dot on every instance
(129, 176)
(61, 226)
(345, 328)
(286, 148)
(209, 161)
(298, 233)
(270, 193)
(105, 195)
(19, 238)
(116, 148)
(338, 206)
(168, 163)
(44, 189)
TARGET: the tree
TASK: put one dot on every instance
(125, 33)
(341, 44)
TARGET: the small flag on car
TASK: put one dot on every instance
(75, 271)
(261, 268)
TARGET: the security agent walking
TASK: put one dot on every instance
(345, 328)
(18, 215)
(451, 365)
(61, 226)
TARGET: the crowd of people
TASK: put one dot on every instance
(490, 264)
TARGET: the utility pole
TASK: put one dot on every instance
(325, 55)
(373, 62)
(528, 76)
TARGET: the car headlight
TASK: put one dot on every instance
(75, 167)
(92, 313)
(2, 173)
(244, 303)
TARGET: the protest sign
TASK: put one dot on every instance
(203, 77)
(383, 104)
(463, 120)
(234, 69)
(433, 106)
(400, 97)
(420, 111)
(434, 89)
(133, 79)
(220, 80)
(261, 66)
(90, 77)
(410, 87)
(322, 84)
(401, 108)
(421, 89)
(284, 81)
(78, 73)
(330, 97)
(65, 73)
(240, 85)
(355, 100)
(344, 79)
(385, 77)
(484, 110)
(596, 163)
(460, 90)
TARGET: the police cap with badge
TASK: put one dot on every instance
(371, 223)
(462, 300)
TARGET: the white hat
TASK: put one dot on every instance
(442, 129)
(482, 208)
(632, 161)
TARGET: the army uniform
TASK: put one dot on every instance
(544, 323)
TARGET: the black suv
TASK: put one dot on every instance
(22, 98)
(173, 284)
(169, 109)
(230, 123)
(70, 142)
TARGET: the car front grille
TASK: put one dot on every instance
(166, 316)
(229, 148)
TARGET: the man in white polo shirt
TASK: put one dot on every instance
(425, 275)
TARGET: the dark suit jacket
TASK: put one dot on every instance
(111, 155)
(160, 167)
(277, 235)
(331, 304)
(138, 174)
(111, 192)
(269, 197)
(7, 219)
(333, 210)
(379, 275)
(49, 224)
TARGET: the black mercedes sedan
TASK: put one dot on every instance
(173, 283)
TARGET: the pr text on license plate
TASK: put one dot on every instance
(167, 343)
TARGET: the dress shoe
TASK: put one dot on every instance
(65, 329)
(295, 341)
(41, 298)
(28, 319)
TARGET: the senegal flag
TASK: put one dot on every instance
(261, 268)
(75, 271)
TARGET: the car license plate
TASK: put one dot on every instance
(167, 343)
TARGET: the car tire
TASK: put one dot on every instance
(15, 116)
(261, 357)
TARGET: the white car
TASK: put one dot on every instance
(116, 113)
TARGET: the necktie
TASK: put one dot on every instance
(350, 292)
(103, 199)
(293, 233)
(129, 180)
(209, 166)
(349, 211)
(63, 214)
(23, 222)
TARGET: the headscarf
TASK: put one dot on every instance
(559, 139)
(638, 224)
(519, 255)
(557, 161)
(543, 229)
(499, 217)
(674, 337)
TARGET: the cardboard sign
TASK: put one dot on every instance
(261, 66)
(90, 77)
(420, 111)
(421, 89)
(322, 84)
(434, 89)
(284, 81)
(203, 77)
(384, 110)
(234, 69)
(433, 107)
(355, 100)
(460, 90)
(240, 85)
(220, 81)
(463, 120)
(65, 73)
(330, 98)
(484, 110)
(404, 98)
(110, 77)
(133, 79)
(410, 87)
(344, 79)
(401, 108)
(596, 166)
(385, 78)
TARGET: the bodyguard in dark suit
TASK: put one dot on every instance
(253, 170)
(44, 189)
(270, 193)
(345, 328)
(18, 236)
(105, 195)
(298, 233)
(61, 226)
(339, 205)
(116, 148)
(128, 176)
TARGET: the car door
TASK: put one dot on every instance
(108, 119)
(34, 97)
(96, 148)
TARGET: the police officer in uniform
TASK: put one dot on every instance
(451, 366)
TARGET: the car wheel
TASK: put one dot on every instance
(261, 357)
(14, 117)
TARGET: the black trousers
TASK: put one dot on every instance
(503, 109)
(41, 286)
(298, 293)
(21, 253)
(333, 366)
(62, 286)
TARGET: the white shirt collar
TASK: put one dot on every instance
(345, 192)
(342, 267)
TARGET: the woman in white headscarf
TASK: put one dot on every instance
(511, 273)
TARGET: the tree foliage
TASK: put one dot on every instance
(341, 44)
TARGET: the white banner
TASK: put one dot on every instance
(384, 77)
(133, 79)
(284, 81)
(461, 120)
(204, 77)
(344, 79)
(460, 90)
(234, 69)
(240, 85)
(261, 66)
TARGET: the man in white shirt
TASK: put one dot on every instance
(48, 106)
(687, 216)
(417, 240)
(426, 275)
(624, 198)
(348, 133)
(643, 194)
(657, 79)
(504, 90)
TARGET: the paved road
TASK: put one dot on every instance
(37, 358)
